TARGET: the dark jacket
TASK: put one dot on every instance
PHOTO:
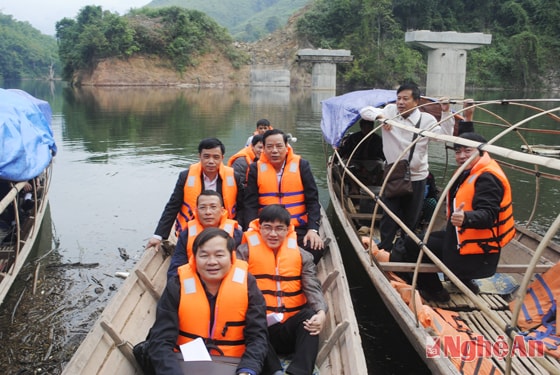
(163, 335)
(310, 192)
(486, 203)
(175, 202)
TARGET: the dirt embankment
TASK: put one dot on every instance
(276, 51)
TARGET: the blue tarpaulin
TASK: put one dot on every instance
(26, 139)
(341, 112)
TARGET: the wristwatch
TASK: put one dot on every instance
(315, 230)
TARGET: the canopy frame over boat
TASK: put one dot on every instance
(340, 113)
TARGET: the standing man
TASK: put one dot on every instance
(241, 161)
(282, 177)
(212, 297)
(208, 174)
(210, 213)
(287, 277)
(395, 140)
(479, 223)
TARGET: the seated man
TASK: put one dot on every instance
(241, 161)
(368, 159)
(480, 223)
(215, 298)
(371, 149)
(209, 173)
(287, 277)
(210, 213)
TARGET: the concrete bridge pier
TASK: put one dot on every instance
(323, 76)
(447, 59)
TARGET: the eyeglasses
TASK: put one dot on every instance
(279, 229)
(208, 208)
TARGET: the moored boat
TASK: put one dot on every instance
(486, 317)
(107, 349)
(25, 173)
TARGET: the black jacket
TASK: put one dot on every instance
(486, 205)
(163, 334)
(175, 202)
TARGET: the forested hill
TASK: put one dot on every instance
(524, 50)
(246, 20)
(24, 51)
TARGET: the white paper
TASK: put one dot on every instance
(274, 318)
(195, 351)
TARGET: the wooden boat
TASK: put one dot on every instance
(107, 349)
(487, 314)
(25, 124)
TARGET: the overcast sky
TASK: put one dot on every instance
(43, 15)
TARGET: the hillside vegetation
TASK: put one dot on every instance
(24, 51)
(523, 54)
(175, 35)
(246, 20)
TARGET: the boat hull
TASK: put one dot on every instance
(107, 349)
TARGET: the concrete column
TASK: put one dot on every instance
(447, 70)
(323, 76)
(447, 59)
(324, 66)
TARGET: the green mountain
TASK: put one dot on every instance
(246, 20)
(25, 52)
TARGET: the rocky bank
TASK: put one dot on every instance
(276, 51)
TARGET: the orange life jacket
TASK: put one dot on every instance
(539, 299)
(449, 329)
(289, 192)
(546, 335)
(193, 188)
(278, 276)
(246, 152)
(194, 227)
(229, 314)
(491, 240)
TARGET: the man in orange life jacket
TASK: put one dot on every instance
(243, 158)
(480, 222)
(215, 298)
(210, 213)
(287, 277)
(208, 174)
(282, 177)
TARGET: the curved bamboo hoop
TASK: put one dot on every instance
(536, 160)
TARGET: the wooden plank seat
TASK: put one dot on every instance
(431, 268)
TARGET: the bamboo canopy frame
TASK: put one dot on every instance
(538, 161)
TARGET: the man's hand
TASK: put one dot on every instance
(314, 240)
(444, 104)
(458, 216)
(154, 242)
(468, 109)
(315, 324)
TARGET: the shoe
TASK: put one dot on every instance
(472, 285)
(441, 296)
